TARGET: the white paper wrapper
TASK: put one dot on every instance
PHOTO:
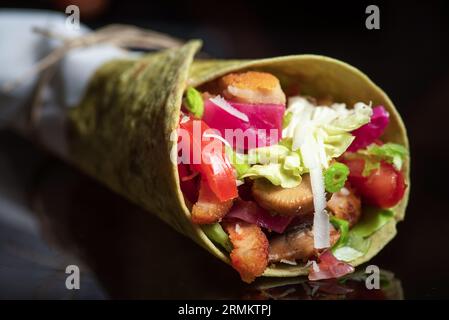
(22, 48)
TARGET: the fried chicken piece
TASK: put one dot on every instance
(346, 205)
(296, 244)
(250, 254)
(252, 87)
(209, 209)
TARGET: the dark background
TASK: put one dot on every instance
(407, 57)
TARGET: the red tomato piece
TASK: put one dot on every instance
(212, 162)
(383, 187)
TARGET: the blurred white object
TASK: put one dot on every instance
(80, 64)
(22, 48)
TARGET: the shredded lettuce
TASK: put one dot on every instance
(354, 248)
(216, 233)
(327, 129)
(277, 163)
(312, 137)
(390, 152)
(266, 155)
(239, 162)
(369, 166)
(373, 219)
(343, 226)
(322, 133)
(276, 174)
(355, 243)
(373, 155)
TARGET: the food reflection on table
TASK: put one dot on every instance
(351, 287)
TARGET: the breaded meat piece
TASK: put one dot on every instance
(296, 244)
(250, 254)
(252, 87)
(209, 209)
(346, 205)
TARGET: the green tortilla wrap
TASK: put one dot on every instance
(120, 133)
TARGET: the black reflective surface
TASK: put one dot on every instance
(54, 216)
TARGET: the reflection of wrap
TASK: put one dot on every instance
(351, 287)
(120, 133)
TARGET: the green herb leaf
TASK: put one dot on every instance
(194, 102)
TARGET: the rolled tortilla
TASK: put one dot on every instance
(121, 132)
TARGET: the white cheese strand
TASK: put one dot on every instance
(311, 157)
(321, 238)
(309, 127)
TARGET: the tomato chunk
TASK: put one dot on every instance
(207, 156)
(383, 187)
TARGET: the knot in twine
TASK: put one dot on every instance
(122, 36)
